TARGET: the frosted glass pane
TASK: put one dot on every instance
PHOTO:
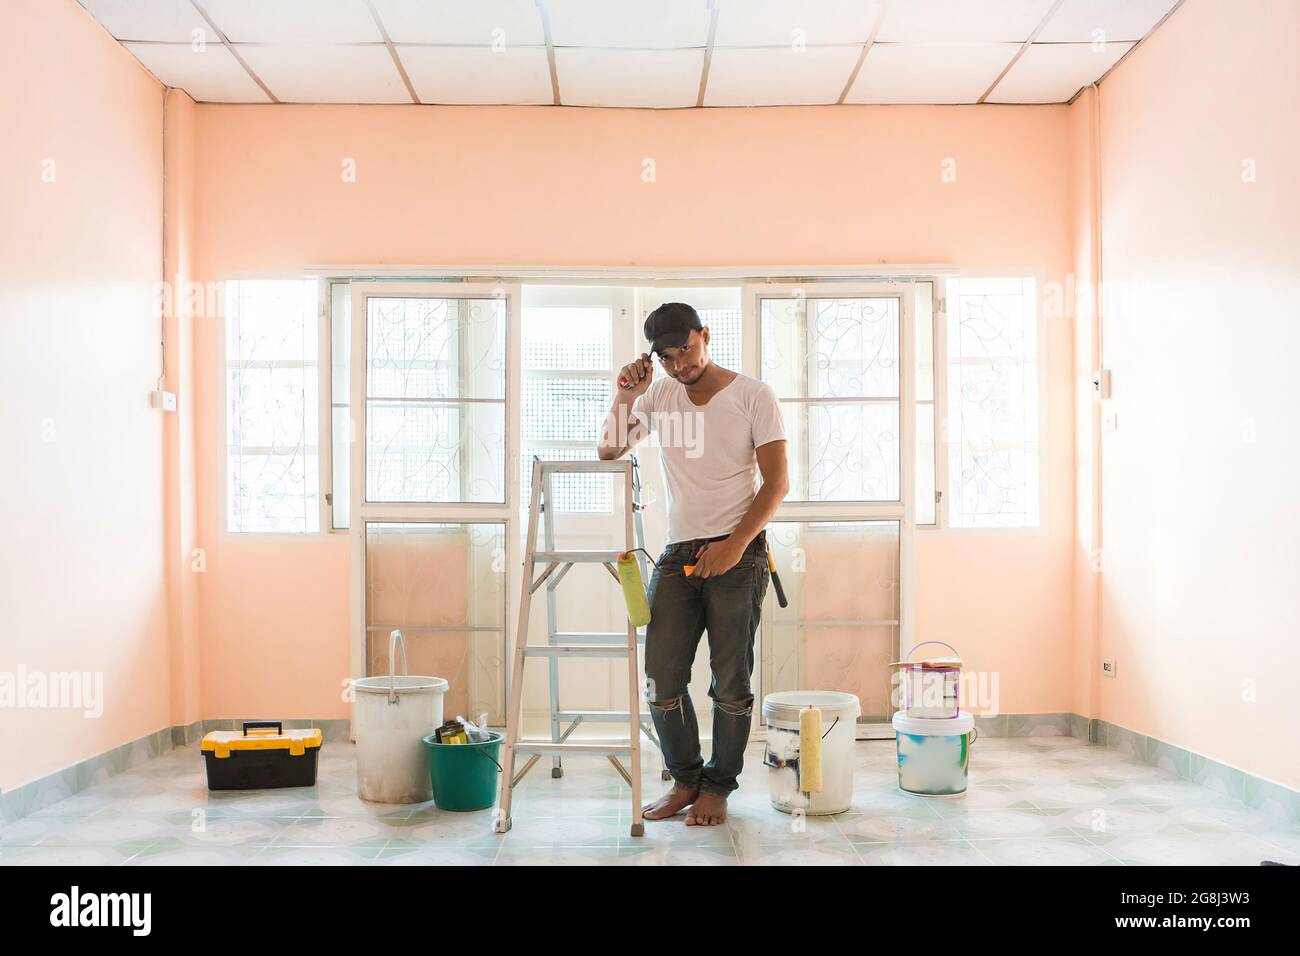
(444, 586)
(840, 629)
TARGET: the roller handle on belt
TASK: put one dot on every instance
(776, 582)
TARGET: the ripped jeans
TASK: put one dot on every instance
(681, 609)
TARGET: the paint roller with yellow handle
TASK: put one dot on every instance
(629, 578)
(810, 750)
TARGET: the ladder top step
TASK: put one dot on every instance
(618, 467)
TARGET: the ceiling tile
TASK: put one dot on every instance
(779, 76)
(478, 75)
(293, 21)
(774, 22)
(1076, 20)
(1054, 72)
(328, 74)
(164, 20)
(211, 75)
(921, 73)
(644, 78)
(635, 24)
(962, 21)
(473, 22)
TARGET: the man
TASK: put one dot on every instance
(719, 433)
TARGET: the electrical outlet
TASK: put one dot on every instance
(164, 400)
(1108, 667)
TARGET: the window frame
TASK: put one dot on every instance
(649, 284)
(363, 513)
(903, 509)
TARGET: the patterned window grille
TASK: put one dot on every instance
(435, 400)
(992, 441)
(567, 368)
(272, 383)
(834, 365)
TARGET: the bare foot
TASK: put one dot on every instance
(709, 810)
(670, 804)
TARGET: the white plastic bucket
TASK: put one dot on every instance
(839, 713)
(391, 716)
(934, 753)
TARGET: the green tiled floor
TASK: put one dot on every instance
(1033, 801)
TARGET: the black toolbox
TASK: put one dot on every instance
(267, 758)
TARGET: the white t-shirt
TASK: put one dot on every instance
(707, 451)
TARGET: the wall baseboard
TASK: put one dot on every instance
(1272, 798)
(1259, 793)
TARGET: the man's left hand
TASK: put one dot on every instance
(717, 557)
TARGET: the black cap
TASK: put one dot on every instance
(670, 325)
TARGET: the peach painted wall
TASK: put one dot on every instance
(564, 186)
(1201, 264)
(81, 188)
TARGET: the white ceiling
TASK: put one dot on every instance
(630, 53)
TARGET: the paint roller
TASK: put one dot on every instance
(810, 750)
(629, 578)
(689, 569)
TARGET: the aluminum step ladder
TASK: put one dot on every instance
(563, 645)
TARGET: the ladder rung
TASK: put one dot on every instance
(600, 748)
(573, 650)
(597, 716)
(576, 557)
(595, 637)
(616, 467)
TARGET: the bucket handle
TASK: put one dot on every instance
(922, 644)
(394, 639)
(484, 753)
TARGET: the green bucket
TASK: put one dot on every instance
(464, 776)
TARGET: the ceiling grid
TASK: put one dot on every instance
(629, 53)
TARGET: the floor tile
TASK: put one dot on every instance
(1054, 851)
(932, 853)
(1031, 801)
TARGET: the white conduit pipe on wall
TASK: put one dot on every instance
(1098, 559)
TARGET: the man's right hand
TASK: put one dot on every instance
(635, 377)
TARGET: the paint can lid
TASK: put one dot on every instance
(784, 706)
(963, 723)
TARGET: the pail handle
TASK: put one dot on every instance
(394, 639)
(490, 757)
(922, 644)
